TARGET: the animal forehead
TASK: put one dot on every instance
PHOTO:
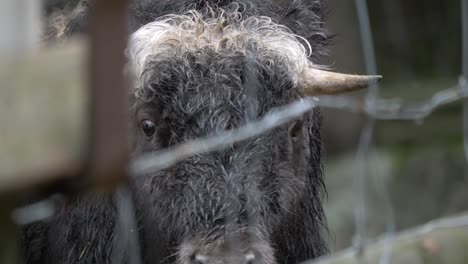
(177, 35)
(211, 82)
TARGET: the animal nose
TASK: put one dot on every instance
(250, 257)
(200, 259)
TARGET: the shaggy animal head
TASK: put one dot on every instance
(200, 69)
(197, 74)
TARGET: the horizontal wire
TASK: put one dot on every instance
(381, 109)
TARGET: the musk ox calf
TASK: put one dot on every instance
(199, 68)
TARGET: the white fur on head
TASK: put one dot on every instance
(175, 35)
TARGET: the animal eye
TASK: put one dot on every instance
(295, 130)
(148, 127)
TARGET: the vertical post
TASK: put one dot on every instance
(365, 144)
(365, 141)
(108, 92)
(108, 157)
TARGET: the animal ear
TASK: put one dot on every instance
(295, 129)
(319, 82)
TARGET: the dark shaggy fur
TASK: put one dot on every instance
(279, 178)
(263, 195)
(304, 17)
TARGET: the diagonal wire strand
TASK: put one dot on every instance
(385, 109)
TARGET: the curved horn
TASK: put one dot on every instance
(320, 82)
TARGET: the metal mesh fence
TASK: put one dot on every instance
(372, 106)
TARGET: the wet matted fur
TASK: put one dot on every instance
(194, 66)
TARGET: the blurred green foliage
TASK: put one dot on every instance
(422, 164)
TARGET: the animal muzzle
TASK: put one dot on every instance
(250, 257)
(226, 250)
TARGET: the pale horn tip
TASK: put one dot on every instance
(320, 82)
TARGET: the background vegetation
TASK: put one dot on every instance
(418, 49)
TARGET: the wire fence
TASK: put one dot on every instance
(372, 106)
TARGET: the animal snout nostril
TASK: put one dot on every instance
(226, 256)
(199, 259)
(252, 257)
